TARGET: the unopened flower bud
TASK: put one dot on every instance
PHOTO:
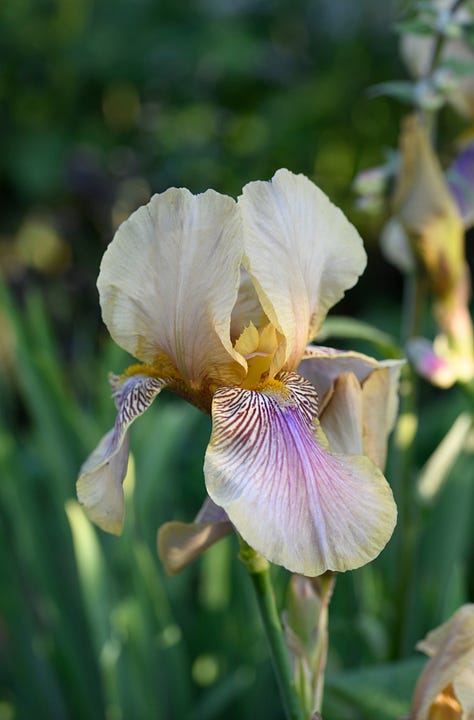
(427, 211)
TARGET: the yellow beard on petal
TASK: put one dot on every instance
(276, 389)
(162, 368)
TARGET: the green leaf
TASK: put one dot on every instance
(382, 692)
(399, 89)
(95, 584)
(460, 68)
(436, 470)
(346, 327)
(445, 543)
(414, 27)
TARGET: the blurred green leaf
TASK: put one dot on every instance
(459, 68)
(352, 329)
(398, 89)
(95, 583)
(414, 27)
(382, 692)
(436, 470)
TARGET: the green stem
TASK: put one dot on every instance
(404, 472)
(440, 39)
(259, 571)
(468, 390)
(326, 588)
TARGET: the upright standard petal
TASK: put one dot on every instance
(169, 280)
(372, 408)
(380, 408)
(301, 252)
(342, 420)
(99, 487)
(290, 498)
(247, 309)
(322, 365)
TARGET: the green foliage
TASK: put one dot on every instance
(92, 628)
(380, 692)
(352, 329)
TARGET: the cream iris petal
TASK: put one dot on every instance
(291, 499)
(180, 543)
(342, 419)
(464, 689)
(380, 408)
(169, 280)
(301, 252)
(99, 487)
(378, 394)
(247, 309)
(322, 365)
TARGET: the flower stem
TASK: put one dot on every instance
(325, 586)
(440, 39)
(259, 571)
(404, 471)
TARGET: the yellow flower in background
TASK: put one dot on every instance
(428, 228)
(218, 300)
(445, 689)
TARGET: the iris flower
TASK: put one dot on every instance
(218, 299)
(445, 689)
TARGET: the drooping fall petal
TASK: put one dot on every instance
(180, 543)
(302, 254)
(99, 487)
(291, 499)
(169, 280)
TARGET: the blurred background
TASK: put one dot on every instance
(102, 103)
